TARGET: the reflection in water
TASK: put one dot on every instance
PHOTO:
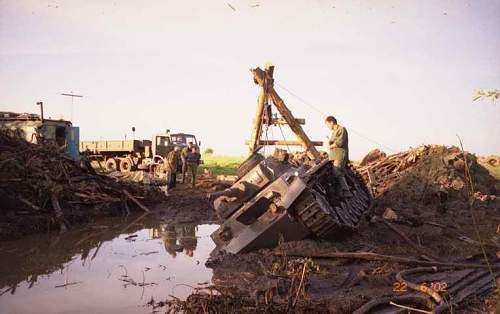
(115, 265)
(178, 238)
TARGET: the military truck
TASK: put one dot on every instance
(132, 155)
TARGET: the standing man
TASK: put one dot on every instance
(185, 151)
(193, 160)
(338, 146)
(173, 159)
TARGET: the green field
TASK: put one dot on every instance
(221, 165)
(494, 171)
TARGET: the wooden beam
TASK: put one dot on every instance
(283, 143)
(257, 120)
(266, 82)
(281, 121)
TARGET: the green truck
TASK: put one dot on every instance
(133, 155)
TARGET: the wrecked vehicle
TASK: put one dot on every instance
(36, 129)
(276, 201)
(284, 197)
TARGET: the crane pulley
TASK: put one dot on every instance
(264, 116)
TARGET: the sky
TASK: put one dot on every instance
(397, 74)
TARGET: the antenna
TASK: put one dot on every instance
(70, 94)
(40, 103)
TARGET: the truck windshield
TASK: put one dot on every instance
(191, 139)
(183, 139)
(162, 141)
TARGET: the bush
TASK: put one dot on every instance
(208, 151)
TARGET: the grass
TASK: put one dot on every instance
(494, 170)
(221, 165)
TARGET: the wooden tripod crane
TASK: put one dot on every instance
(264, 78)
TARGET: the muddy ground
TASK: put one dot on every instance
(428, 201)
(429, 204)
(186, 205)
(343, 285)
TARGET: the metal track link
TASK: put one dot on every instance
(327, 220)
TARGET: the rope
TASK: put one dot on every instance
(283, 135)
(325, 114)
(267, 139)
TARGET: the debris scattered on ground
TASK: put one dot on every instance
(41, 188)
(372, 156)
(421, 218)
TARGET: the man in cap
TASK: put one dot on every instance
(193, 161)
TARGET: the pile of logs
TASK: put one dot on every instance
(43, 180)
(432, 164)
(382, 172)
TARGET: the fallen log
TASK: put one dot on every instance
(410, 242)
(133, 199)
(368, 256)
(30, 204)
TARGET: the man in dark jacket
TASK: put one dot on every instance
(193, 160)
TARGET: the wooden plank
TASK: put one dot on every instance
(281, 121)
(262, 78)
(133, 199)
(283, 143)
(261, 104)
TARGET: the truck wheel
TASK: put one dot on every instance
(126, 165)
(112, 164)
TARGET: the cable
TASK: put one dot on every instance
(325, 114)
(284, 139)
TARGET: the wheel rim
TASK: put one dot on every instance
(126, 165)
(111, 165)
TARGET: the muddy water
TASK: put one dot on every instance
(113, 266)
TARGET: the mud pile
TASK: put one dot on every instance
(42, 189)
(428, 178)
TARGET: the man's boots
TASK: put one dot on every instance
(345, 187)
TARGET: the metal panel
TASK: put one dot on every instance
(73, 140)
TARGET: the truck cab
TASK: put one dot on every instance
(166, 142)
(183, 139)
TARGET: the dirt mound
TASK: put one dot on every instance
(429, 177)
(41, 188)
(427, 193)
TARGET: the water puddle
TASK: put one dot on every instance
(114, 266)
